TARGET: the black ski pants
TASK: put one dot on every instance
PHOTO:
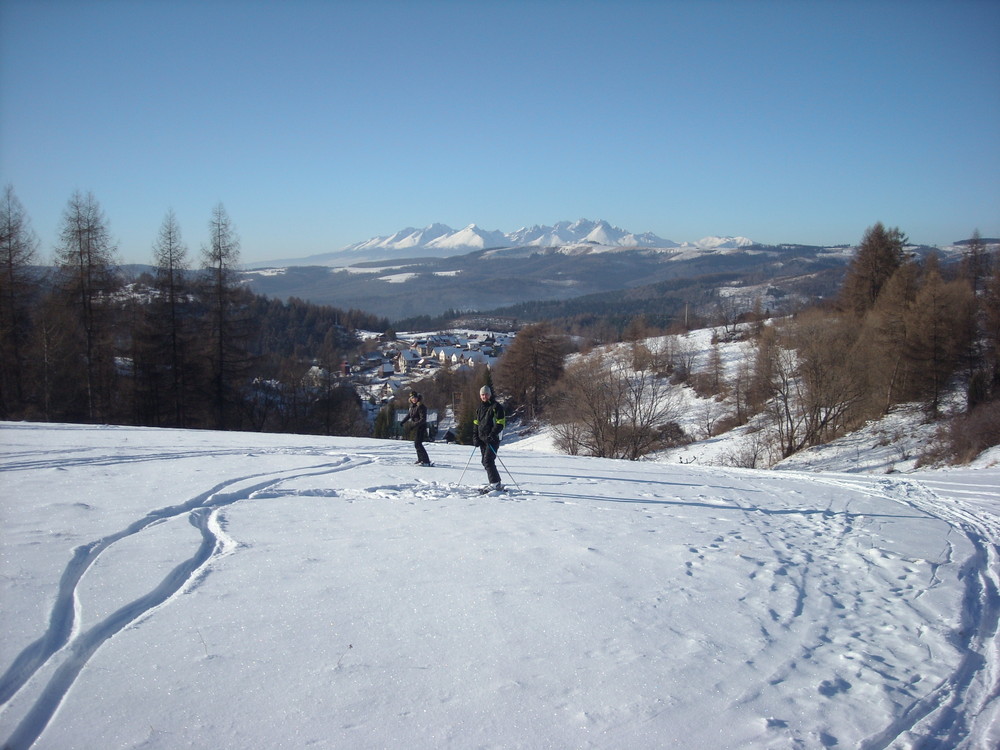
(418, 443)
(489, 451)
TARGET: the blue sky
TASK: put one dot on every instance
(318, 124)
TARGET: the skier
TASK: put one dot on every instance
(418, 415)
(487, 426)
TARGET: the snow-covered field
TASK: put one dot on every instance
(180, 589)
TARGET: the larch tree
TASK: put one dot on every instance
(875, 261)
(941, 317)
(166, 370)
(530, 366)
(991, 331)
(976, 263)
(880, 352)
(87, 280)
(225, 333)
(18, 248)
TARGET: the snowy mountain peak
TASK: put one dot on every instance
(584, 231)
(440, 240)
(723, 243)
(470, 238)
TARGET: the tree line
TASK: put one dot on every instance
(901, 330)
(194, 348)
(178, 347)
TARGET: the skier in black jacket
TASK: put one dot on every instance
(489, 423)
(418, 415)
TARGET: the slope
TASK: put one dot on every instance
(167, 588)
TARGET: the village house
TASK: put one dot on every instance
(382, 374)
(447, 354)
(407, 359)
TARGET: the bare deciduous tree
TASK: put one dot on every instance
(832, 385)
(604, 408)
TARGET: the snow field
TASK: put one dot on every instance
(231, 590)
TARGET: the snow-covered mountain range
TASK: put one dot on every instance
(472, 237)
(441, 241)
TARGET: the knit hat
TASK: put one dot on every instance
(485, 391)
(414, 394)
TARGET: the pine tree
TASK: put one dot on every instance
(383, 421)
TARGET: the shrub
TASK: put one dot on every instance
(971, 434)
(966, 436)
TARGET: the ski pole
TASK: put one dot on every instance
(467, 464)
(497, 455)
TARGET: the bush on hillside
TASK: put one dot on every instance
(963, 438)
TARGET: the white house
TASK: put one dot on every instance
(407, 359)
(447, 354)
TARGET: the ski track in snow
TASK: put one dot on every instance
(973, 689)
(798, 582)
(799, 605)
(63, 642)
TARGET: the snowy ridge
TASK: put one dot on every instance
(440, 240)
(720, 243)
(583, 231)
(570, 238)
(474, 238)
